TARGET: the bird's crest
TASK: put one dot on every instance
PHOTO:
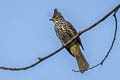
(57, 14)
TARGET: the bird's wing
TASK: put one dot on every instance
(75, 32)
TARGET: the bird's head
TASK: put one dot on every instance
(56, 16)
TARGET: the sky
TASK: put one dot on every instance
(26, 34)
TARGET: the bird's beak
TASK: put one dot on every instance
(51, 19)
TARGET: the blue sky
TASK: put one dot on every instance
(26, 33)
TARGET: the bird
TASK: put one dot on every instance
(66, 31)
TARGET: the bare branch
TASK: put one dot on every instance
(114, 38)
(70, 41)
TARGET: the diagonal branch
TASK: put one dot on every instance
(70, 41)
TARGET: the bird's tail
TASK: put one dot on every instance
(81, 61)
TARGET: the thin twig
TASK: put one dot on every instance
(113, 41)
(70, 41)
(114, 38)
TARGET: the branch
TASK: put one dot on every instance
(113, 41)
(114, 38)
(70, 41)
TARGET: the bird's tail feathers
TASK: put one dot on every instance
(81, 61)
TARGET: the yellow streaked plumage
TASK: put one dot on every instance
(65, 31)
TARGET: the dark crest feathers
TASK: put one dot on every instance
(57, 13)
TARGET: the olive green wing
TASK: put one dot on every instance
(75, 32)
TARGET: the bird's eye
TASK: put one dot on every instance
(56, 17)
